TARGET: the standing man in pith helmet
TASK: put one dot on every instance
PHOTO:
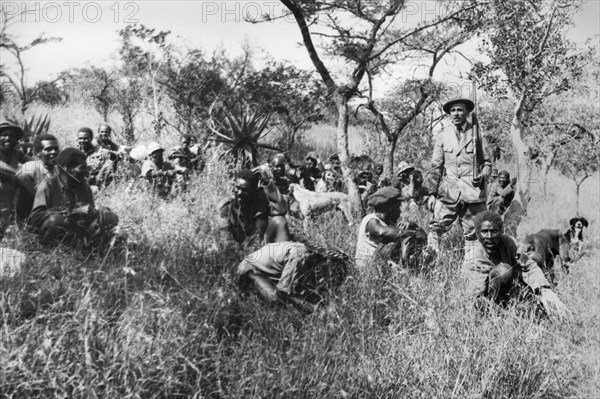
(458, 176)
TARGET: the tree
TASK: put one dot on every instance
(8, 44)
(579, 160)
(291, 94)
(49, 93)
(145, 52)
(367, 37)
(193, 86)
(128, 100)
(97, 85)
(530, 60)
(401, 107)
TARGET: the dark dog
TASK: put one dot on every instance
(550, 250)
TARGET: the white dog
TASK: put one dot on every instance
(312, 203)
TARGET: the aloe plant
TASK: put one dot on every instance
(34, 126)
(242, 133)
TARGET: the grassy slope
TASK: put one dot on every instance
(164, 319)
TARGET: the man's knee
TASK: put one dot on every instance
(53, 227)
(107, 218)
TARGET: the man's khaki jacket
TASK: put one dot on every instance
(450, 178)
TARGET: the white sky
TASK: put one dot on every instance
(89, 30)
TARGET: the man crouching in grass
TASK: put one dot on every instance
(289, 272)
(63, 208)
(247, 214)
(496, 266)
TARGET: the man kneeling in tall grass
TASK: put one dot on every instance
(248, 214)
(293, 273)
(63, 208)
(494, 268)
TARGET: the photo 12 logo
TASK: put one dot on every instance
(69, 11)
(241, 11)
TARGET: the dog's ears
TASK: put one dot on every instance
(584, 222)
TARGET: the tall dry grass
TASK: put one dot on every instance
(163, 318)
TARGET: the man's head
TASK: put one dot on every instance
(494, 174)
(417, 178)
(489, 227)
(278, 165)
(503, 178)
(334, 159)
(387, 201)
(72, 166)
(46, 148)
(404, 171)
(9, 136)
(186, 141)
(378, 169)
(84, 139)
(311, 160)
(458, 109)
(245, 185)
(330, 177)
(104, 132)
(155, 153)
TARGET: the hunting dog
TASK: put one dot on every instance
(575, 233)
(312, 203)
(574, 237)
(550, 250)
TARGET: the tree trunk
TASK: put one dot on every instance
(577, 199)
(521, 149)
(157, 129)
(342, 147)
(342, 128)
(545, 171)
(390, 161)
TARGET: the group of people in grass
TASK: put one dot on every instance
(53, 196)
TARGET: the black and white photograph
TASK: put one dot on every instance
(300, 199)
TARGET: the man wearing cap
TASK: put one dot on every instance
(310, 172)
(378, 228)
(99, 160)
(10, 158)
(281, 271)
(159, 173)
(64, 208)
(402, 181)
(31, 174)
(453, 190)
(501, 194)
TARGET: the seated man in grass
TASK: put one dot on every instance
(495, 267)
(501, 194)
(31, 174)
(10, 159)
(247, 214)
(380, 228)
(289, 272)
(63, 208)
(159, 173)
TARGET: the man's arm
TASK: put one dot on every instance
(531, 273)
(386, 234)
(437, 166)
